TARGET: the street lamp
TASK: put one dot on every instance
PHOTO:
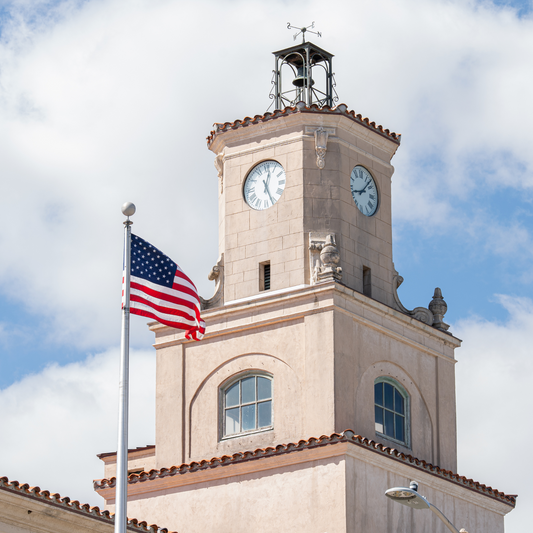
(411, 498)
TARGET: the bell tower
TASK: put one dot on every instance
(314, 389)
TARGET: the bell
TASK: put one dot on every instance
(301, 78)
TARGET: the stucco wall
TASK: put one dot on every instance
(336, 487)
(363, 354)
(294, 353)
(290, 498)
(324, 348)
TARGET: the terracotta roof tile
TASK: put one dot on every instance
(74, 506)
(324, 440)
(130, 450)
(300, 107)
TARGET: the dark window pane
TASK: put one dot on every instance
(389, 424)
(389, 395)
(232, 421)
(248, 417)
(264, 389)
(379, 418)
(378, 393)
(248, 390)
(264, 414)
(232, 395)
(400, 433)
(398, 402)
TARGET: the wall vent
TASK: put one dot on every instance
(264, 276)
(367, 282)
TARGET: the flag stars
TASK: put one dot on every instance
(149, 263)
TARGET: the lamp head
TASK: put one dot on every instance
(408, 496)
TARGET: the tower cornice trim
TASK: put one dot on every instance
(297, 302)
(262, 459)
(341, 109)
(307, 134)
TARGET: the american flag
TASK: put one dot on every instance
(160, 290)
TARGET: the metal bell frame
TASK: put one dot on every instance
(300, 61)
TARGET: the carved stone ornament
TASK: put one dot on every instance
(324, 258)
(321, 146)
(219, 165)
(420, 313)
(216, 275)
(432, 316)
(438, 307)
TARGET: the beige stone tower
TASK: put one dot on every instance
(315, 389)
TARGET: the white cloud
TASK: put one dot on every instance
(113, 101)
(103, 102)
(55, 422)
(494, 372)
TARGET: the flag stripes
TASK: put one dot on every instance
(160, 290)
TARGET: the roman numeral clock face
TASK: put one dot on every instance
(264, 185)
(364, 190)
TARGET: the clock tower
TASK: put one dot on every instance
(314, 390)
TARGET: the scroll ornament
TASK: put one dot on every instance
(219, 165)
(432, 316)
(321, 146)
(217, 275)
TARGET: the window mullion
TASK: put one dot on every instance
(256, 409)
(240, 406)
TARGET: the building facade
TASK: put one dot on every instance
(314, 389)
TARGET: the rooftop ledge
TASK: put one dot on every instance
(296, 302)
(300, 107)
(324, 443)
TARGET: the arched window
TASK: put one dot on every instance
(247, 405)
(391, 407)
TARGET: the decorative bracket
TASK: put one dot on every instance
(324, 258)
(219, 165)
(321, 146)
(216, 275)
(433, 316)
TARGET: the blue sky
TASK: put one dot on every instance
(107, 101)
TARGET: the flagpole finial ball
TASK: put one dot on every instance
(128, 209)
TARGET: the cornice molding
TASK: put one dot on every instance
(334, 445)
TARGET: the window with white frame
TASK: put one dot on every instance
(247, 405)
(391, 408)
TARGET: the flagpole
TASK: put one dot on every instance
(121, 486)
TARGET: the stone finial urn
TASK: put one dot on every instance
(438, 307)
(329, 255)
(330, 258)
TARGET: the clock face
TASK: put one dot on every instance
(264, 185)
(364, 190)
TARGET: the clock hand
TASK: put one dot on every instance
(363, 189)
(265, 183)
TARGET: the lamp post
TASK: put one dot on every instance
(411, 498)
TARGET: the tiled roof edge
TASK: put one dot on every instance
(324, 440)
(75, 506)
(130, 450)
(300, 107)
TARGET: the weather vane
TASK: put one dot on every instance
(303, 30)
